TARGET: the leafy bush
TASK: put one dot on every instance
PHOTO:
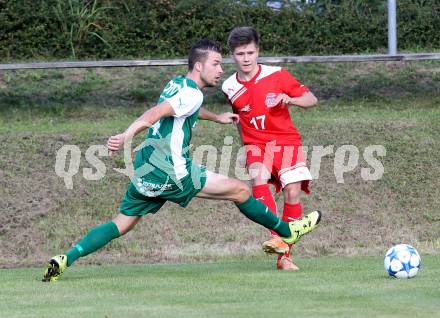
(55, 29)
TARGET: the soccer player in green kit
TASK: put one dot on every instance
(164, 171)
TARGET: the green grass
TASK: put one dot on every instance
(325, 287)
(391, 104)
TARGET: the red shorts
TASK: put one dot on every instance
(286, 164)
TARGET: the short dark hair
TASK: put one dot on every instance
(241, 36)
(199, 52)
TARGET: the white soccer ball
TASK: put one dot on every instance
(402, 261)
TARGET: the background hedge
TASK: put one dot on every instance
(61, 29)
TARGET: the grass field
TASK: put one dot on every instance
(395, 105)
(326, 287)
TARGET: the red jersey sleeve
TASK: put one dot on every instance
(290, 84)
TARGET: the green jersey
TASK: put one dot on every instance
(164, 159)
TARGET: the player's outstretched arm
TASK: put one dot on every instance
(308, 99)
(225, 118)
(146, 120)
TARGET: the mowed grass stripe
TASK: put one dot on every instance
(325, 287)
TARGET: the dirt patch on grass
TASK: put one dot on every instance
(26, 197)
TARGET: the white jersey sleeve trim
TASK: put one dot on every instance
(267, 70)
(176, 144)
(186, 101)
(231, 87)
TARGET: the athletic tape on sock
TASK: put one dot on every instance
(80, 249)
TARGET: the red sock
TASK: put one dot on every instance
(291, 212)
(262, 193)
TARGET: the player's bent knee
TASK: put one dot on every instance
(292, 193)
(242, 192)
(125, 223)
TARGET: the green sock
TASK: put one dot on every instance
(96, 238)
(259, 213)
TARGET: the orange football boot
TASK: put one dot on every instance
(275, 246)
(286, 263)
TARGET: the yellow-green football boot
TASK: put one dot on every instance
(57, 265)
(301, 227)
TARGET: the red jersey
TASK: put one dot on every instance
(261, 120)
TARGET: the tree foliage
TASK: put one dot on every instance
(55, 29)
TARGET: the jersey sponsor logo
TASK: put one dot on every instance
(151, 189)
(246, 108)
(271, 99)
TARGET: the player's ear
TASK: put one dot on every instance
(232, 56)
(198, 66)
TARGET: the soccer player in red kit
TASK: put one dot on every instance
(260, 95)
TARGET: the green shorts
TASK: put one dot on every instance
(147, 195)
